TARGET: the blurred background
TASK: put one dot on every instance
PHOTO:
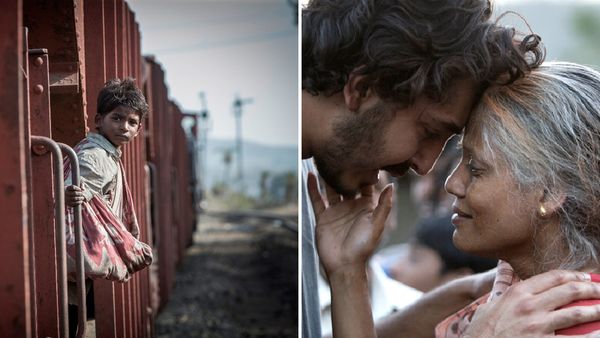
(235, 64)
(232, 67)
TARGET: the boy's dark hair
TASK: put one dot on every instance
(409, 48)
(436, 234)
(117, 92)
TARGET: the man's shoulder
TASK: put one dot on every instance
(308, 166)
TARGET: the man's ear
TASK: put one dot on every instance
(352, 93)
(550, 204)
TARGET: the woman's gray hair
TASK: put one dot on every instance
(546, 128)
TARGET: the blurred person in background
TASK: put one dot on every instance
(431, 259)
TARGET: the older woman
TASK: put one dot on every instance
(527, 192)
(528, 186)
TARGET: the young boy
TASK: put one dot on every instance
(121, 110)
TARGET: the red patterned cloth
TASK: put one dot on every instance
(111, 248)
(455, 325)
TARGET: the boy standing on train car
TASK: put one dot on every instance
(120, 111)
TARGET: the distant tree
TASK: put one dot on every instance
(294, 5)
(264, 185)
(586, 24)
(291, 187)
(227, 159)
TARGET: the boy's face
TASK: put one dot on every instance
(119, 126)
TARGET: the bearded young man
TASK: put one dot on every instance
(385, 84)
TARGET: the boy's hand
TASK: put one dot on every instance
(73, 196)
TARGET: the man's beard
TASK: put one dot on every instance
(353, 146)
(329, 169)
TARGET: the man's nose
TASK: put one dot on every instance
(424, 160)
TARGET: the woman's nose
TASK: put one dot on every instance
(455, 182)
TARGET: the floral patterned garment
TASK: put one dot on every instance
(455, 325)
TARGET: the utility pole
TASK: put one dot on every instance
(201, 126)
(204, 128)
(238, 104)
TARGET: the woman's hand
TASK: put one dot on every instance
(348, 230)
(531, 308)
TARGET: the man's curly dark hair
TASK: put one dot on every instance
(409, 48)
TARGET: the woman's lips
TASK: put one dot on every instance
(459, 216)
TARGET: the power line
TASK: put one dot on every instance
(227, 43)
(276, 14)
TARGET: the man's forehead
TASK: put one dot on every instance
(454, 111)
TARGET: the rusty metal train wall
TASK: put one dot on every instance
(55, 56)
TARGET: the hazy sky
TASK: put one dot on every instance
(222, 48)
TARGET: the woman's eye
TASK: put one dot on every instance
(473, 169)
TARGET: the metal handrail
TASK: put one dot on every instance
(59, 219)
(81, 291)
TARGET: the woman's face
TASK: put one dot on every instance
(493, 218)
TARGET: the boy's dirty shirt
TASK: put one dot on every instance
(99, 168)
(100, 172)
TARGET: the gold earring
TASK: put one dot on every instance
(543, 211)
